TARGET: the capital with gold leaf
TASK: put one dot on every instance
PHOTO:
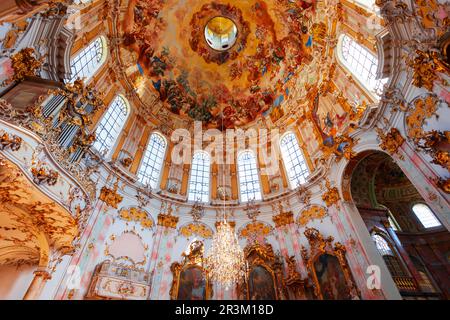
(283, 219)
(167, 220)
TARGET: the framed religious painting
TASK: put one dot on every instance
(330, 277)
(328, 268)
(190, 278)
(261, 283)
(192, 284)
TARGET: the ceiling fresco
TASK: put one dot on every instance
(223, 88)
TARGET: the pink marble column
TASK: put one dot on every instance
(37, 285)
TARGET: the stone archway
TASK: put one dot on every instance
(383, 195)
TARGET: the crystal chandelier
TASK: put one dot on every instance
(225, 258)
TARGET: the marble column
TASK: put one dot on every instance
(41, 276)
(288, 239)
(161, 256)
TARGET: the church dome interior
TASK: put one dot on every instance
(224, 150)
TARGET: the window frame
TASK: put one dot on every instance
(284, 161)
(393, 249)
(420, 221)
(190, 176)
(128, 111)
(141, 162)
(342, 63)
(104, 48)
(258, 174)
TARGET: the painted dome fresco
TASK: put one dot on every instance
(222, 63)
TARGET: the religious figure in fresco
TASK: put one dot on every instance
(223, 89)
(261, 284)
(192, 284)
(331, 278)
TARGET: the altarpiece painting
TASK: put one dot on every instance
(190, 278)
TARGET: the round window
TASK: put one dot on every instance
(220, 33)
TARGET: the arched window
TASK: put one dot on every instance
(366, 3)
(382, 245)
(200, 176)
(151, 166)
(111, 124)
(425, 215)
(362, 63)
(249, 185)
(86, 62)
(389, 256)
(294, 160)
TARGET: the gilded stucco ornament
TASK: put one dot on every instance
(304, 195)
(143, 196)
(110, 196)
(7, 140)
(198, 211)
(252, 210)
(343, 147)
(126, 162)
(24, 64)
(331, 195)
(196, 228)
(137, 215)
(42, 228)
(311, 213)
(444, 184)
(167, 220)
(43, 175)
(424, 108)
(254, 230)
(284, 218)
(428, 11)
(435, 143)
(391, 142)
(426, 66)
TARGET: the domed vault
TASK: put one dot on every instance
(253, 75)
